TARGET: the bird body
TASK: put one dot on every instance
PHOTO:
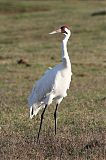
(54, 83)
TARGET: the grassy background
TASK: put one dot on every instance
(24, 28)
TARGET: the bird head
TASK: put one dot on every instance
(64, 30)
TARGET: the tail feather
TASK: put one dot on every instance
(34, 109)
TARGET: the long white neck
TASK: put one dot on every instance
(65, 57)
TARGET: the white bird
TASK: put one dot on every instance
(53, 84)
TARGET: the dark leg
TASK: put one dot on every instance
(55, 118)
(41, 121)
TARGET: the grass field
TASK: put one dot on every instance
(24, 28)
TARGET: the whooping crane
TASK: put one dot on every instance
(53, 84)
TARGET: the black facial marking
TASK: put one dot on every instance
(63, 29)
(65, 32)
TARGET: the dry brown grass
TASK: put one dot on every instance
(26, 51)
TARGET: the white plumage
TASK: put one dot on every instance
(54, 83)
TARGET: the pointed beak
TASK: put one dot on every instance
(57, 31)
